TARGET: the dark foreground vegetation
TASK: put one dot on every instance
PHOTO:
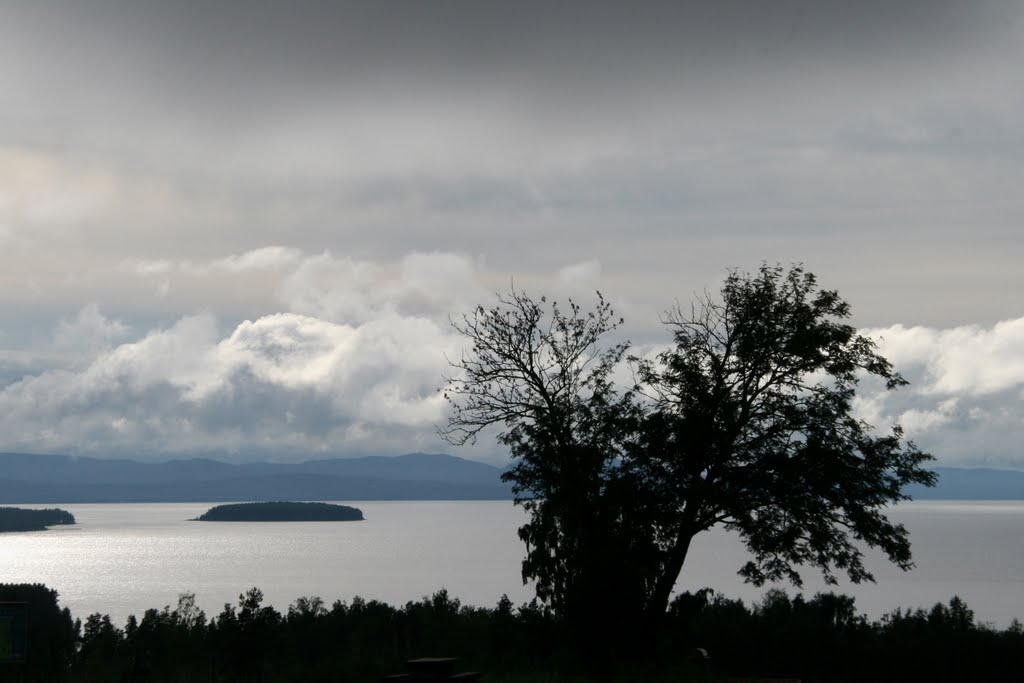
(280, 511)
(18, 519)
(817, 639)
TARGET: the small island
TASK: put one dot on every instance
(19, 519)
(281, 511)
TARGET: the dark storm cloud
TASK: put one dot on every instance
(304, 93)
(233, 63)
(468, 36)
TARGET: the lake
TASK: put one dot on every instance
(122, 559)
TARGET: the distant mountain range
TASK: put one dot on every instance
(32, 478)
(972, 484)
(46, 479)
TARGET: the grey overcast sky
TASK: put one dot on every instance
(240, 227)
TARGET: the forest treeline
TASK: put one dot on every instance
(817, 639)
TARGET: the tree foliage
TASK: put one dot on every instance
(746, 420)
(751, 425)
(538, 374)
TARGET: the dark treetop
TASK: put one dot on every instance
(281, 512)
(17, 519)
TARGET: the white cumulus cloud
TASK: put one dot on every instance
(264, 258)
(965, 401)
(284, 383)
(89, 331)
(967, 359)
(344, 289)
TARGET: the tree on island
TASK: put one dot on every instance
(746, 421)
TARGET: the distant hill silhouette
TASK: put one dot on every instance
(972, 484)
(34, 478)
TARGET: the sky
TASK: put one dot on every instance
(240, 228)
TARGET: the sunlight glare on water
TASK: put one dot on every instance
(122, 559)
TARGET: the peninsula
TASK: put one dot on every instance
(280, 511)
(19, 519)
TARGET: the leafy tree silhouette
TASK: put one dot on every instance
(745, 421)
(751, 426)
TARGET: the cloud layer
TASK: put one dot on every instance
(878, 144)
(352, 363)
(285, 384)
(965, 402)
(349, 174)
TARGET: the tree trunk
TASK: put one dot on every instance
(667, 580)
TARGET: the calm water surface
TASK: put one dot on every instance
(122, 559)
